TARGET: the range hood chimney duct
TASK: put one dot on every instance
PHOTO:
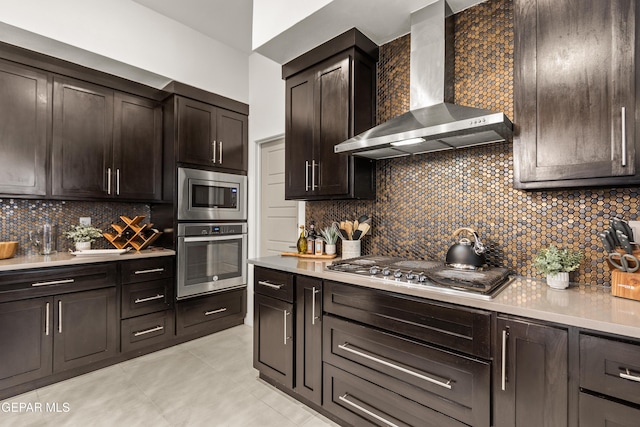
(433, 123)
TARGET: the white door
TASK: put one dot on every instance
(278, 217)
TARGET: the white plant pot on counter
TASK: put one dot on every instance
(83, 246)
(330, 249)
(558, 280)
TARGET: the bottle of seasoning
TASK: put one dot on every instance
(319, 245)
(302, 242)
(311, 238)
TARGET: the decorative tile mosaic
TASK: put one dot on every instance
(18, 217)
(422, 199)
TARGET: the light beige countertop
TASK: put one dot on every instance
(66, 258)
(589, 307)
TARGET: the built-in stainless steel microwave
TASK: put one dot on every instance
(207, 195)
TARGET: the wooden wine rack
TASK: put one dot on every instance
(133, 234)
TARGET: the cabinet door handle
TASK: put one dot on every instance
(313, 305)
(109, 181)
(503, 381)
(624, 136)
(140, 300)
(213, 148)
(270, 285)
(306, 175)
(46, 322)
(346, 347)
(117, 181)
(313, 174)
(344, 399)
(59, 316)
(148, 331)
(629, 376)
(153, 270)
(286, 313)
(220, 310)
(220, 152)
(54, 282)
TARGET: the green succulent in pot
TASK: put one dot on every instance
(556, 264)
(83, 233)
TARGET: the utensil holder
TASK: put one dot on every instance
(351, 249)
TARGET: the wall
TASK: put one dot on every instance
(111, 35)
(18, 217)
(422, 199)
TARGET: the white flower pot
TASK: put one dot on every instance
(330, 249)
(558, 280)
(83, 246)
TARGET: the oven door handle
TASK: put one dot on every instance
(213, 238)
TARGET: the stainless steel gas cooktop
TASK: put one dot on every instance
(482, 284)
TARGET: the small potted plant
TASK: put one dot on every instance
(330, 236)
(83, 236)
(556, 264)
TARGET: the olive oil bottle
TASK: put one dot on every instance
(302, 242)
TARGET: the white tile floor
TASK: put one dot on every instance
(206, 382)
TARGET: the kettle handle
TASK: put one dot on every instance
(478, 246)
(469, 231)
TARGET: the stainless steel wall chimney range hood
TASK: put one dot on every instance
(431, 124)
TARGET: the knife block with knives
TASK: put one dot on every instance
(625, 285)
(625, 277)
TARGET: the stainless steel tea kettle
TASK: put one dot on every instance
(468, 253)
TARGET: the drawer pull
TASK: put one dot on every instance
(139, 300)
(220, 310)
(313, 305)
(629, 376)
(270, 285)
(148, 331)
(503, 380)
(345, 347)
(54, 282)
(46, 322)
(153, 270)
(344, 399)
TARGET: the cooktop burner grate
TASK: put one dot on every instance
(485, 284)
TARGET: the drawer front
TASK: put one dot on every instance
(56, 281)
(146, 297)
(454, 385)
(600, 412)
(610, 367)
(457, 328)
(273, 283)
(196, 312)
(146, 330)
(144, 270)
(362, 403)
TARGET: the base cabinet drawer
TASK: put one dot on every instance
(144, 270)
(146, 297)
(142, 331)
(610, 367)
(206, 312)
(449, 383)
(274, 283)
(363, 403)
(600, 412)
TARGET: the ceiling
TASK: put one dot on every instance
(228, 21)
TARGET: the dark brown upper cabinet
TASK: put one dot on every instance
(24, 106)
(211, 136)
(330, 97)
(575, 94)
(105, 144)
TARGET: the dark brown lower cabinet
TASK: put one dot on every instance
(308, 375)
(85, 328)
(26, 337)
(273, 339)
(601, 412)
(211, 313)
(530, 374)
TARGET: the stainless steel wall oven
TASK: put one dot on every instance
(212, 257)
